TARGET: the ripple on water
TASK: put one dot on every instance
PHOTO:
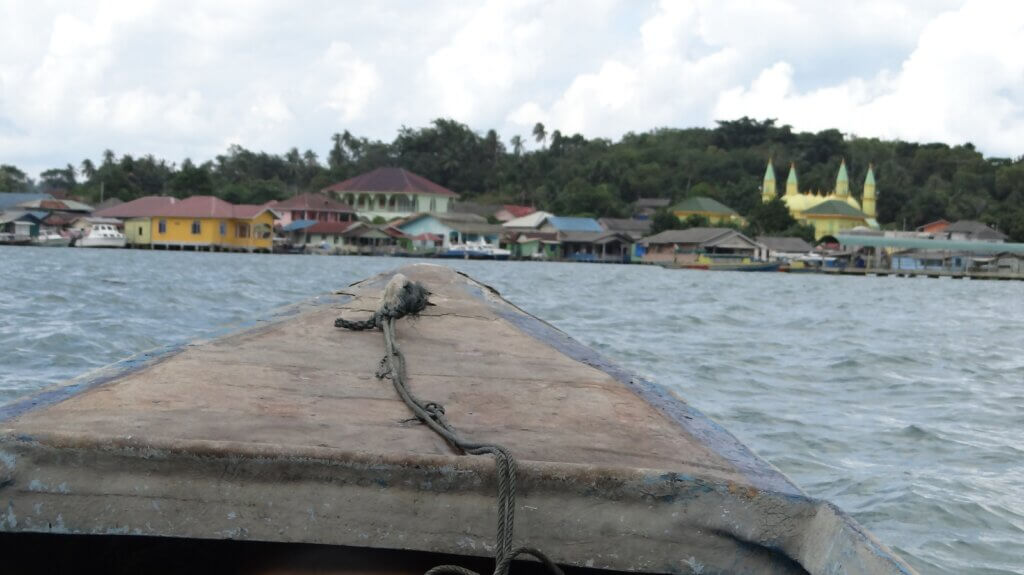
(903, 409)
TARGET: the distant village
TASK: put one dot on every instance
(392, 211)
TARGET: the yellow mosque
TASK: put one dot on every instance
(829, 214)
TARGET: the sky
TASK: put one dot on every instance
(188, 78)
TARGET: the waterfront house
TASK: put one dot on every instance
(636, 229)
(195, 223)
(19, 226)
(939, 260)
(685, 246)
(351, 237)
(533, 245)
(711, 209)
(454, 228)
(972, 231)
(392, 193)
(603, 246)
(312, 207)
(783, 248)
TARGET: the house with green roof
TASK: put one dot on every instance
(716, 212)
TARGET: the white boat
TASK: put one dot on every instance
(476, 251)
(102, 236)
(51, 239)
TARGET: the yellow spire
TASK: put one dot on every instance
(792, 188)
(768, 185)
(868, 200)
(842, 181)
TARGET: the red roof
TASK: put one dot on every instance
(328, 228)
(311, 201)
(390, 180)
(141, 207)
(193, 207)
(519, 211)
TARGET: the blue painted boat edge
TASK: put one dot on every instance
(98, 377)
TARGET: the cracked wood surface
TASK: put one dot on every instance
(304, 382)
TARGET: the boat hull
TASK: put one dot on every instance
(280, 432)
(87, 242)
(730, 267)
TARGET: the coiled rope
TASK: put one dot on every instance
(401, 298)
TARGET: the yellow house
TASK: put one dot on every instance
(716, 212)
(203, 223)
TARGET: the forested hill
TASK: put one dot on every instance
(573, 175)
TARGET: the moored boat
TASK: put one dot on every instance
(726, 264)
(289, 432)
(475, 251)
(51, 239)
(102, 236)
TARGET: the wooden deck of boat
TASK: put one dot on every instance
(281, 432)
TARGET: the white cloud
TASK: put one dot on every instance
(351, 81)
(962, 82)
(185, 78)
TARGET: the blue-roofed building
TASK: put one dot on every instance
(9, 200)
(564, 224)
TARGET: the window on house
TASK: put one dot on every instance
(140, 230)
(433, 205)
(197, 227)
(162, 226)
(223, 228)
(242, 231)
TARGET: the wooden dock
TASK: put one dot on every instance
(957, 275)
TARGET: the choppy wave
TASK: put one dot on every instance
(901, 400)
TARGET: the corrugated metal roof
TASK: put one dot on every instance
(390, 180)
(785, 244)
(689, 236)
(533, 220)
(926, 244)
(564, 224)
(11, 199)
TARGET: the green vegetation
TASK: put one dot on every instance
(573, 175)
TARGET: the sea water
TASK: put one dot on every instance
(899, 399)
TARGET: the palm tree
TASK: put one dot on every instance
(539, 133)
(88, 169)
(517, 145)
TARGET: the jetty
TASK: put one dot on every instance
(286, 438)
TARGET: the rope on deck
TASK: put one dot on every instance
(401, 298)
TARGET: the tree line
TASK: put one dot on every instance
(574, 175)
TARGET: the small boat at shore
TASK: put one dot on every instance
(475, 251)
(726, 264)
(288, 445)
(102, 236)
(51, 239)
